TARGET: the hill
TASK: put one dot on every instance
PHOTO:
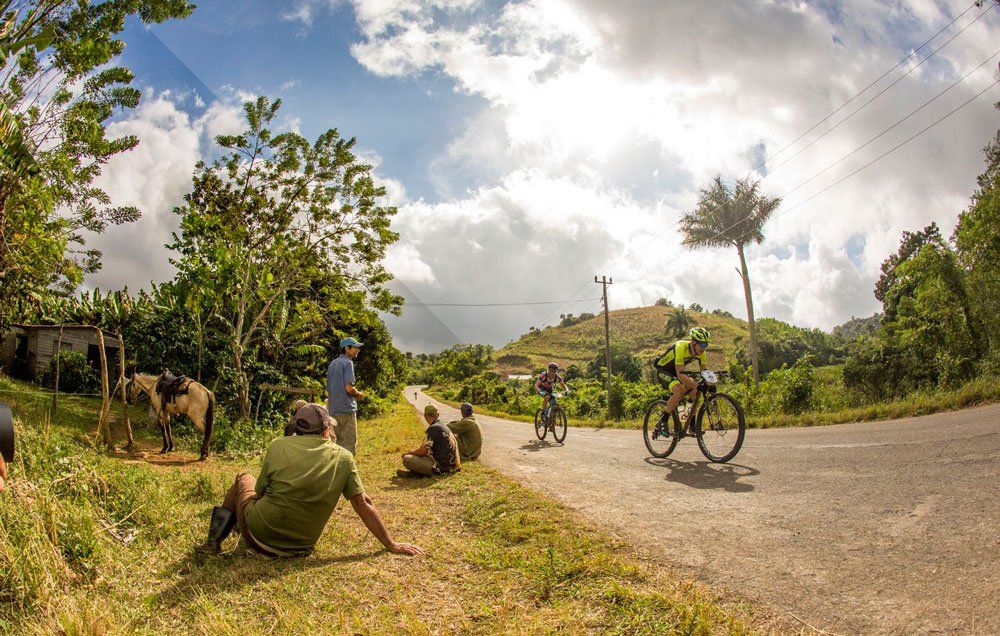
(641, 329)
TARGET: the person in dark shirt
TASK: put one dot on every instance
(438, 455)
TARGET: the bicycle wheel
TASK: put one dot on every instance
(656, 429)
(559, 424)
(721, 427)
(541, 426)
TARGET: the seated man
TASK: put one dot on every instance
(284, 512)
(438, 455)
(468, 434)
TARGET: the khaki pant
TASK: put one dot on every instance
(346, 430)
(238, 500)
(419, 465)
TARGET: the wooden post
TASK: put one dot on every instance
(121, 382)
(604, 282)
(103, 423)
(55, 396)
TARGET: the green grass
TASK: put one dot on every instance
(96, 542)
(974, 393)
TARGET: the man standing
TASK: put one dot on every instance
(283, 512)
(468, 434)
(342, 397)
(438, 455)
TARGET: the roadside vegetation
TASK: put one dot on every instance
(96, 542)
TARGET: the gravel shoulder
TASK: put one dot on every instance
(884, 527)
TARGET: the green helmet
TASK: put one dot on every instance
(700, 334)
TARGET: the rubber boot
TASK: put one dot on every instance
(219, 528)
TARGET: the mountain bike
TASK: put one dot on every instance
(719, 426)
(554, 420)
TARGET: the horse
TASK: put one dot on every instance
(198, 403)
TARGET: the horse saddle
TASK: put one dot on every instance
(169, 386)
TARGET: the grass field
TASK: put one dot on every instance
(93, 542)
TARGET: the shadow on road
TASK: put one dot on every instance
(704, 474)
(536, 445)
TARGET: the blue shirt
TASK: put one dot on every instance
(340, 374)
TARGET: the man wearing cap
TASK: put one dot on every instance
(342, 397)
(468, 434)
(283, 512)
(438, 455)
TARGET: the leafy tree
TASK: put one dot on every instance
(679, 322)
(696, 307)
(279, 222)
(732, 216)
(977, 240)
(782, 344)
(663, 302)
(57, 94)
(858, 327)
(461, 362)
(624, 362)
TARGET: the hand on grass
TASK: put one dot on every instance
(405, 548)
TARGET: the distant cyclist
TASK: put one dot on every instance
(673, 363)
(546, 382)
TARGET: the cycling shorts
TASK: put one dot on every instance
(667, 379)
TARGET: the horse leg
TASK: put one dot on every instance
(170, 434)
(207, 425)
(163, 433)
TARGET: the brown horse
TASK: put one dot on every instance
(198, 403)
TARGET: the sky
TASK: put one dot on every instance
(531, 145)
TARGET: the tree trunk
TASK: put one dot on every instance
(121, 383)
(104, 421)
(55, 396)
(754, 356)
(243, 383)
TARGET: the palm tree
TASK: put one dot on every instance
(732, 216)
(679, 322)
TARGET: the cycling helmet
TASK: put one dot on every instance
(700, 334)
(553, 366)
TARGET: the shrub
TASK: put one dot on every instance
(75, 374)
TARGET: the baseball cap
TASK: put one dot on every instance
(430, 409)
(466, 408)
(349, 342)
(312, 418)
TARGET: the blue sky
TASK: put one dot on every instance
(532, 144)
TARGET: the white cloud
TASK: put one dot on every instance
(405, 263)
(603, 118)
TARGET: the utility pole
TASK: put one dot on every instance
(604, 282)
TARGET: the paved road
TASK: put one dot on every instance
(886, 527)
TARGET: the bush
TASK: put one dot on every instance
(75, 374)
(243, 437)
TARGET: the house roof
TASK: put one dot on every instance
(87, 328)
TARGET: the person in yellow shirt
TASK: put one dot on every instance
(672, 364)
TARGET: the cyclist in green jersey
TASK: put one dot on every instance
(672, 364)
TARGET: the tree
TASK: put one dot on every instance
(977, 242)
(278, 221)
(57, 93)
(626, 365)
(679, 322)
(732, 216)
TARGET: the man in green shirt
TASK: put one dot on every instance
(302, 477)
(468, 434)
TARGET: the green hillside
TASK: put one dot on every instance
(639, 328)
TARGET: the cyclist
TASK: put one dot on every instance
(671, 366)
(546, 382)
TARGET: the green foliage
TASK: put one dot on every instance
(782, 344)
(568, 320)
(857, 327)
(57, 97)
(75, 374)
(455, 364)
(663, 302)
(624, 364)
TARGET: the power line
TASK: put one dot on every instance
(911, 114)
(863, 90)
(858, 94)
(863, 167)
(877, 95)
(527, 304)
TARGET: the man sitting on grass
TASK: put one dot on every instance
(468, 434)
(283, 512)
(438, 455)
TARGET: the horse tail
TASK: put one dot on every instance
(209, 424)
